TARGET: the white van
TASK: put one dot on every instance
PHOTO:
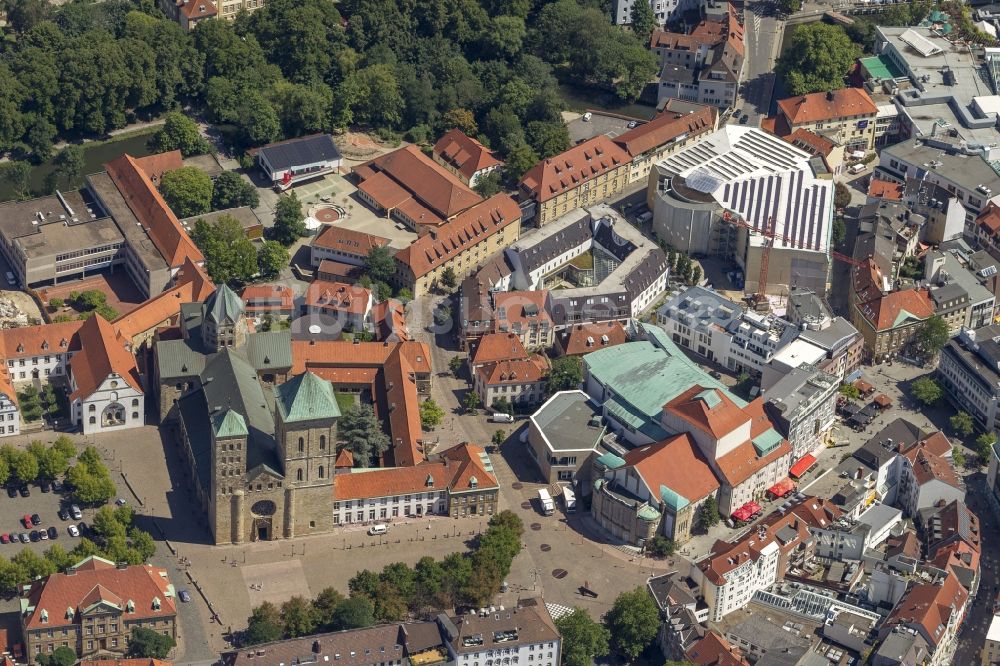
(587, 116)
(858, 168)
(501, 417)
(377, 529)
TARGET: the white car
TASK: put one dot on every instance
(121, 501)
(73, 531)
(74, 511)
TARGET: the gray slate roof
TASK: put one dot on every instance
(297, 152)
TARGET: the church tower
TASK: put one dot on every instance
(224, 323)
(229, 450)
(305, 428)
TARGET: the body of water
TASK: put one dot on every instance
(94, 156)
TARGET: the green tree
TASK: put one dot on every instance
(962, 424)
(643, 20)
(934, 335)
(926, 390)
(661, 546)
(264, 625)
(461, 119)
(61, 656)
(565, 374)
(958, 456)
(583, 640)
(850, 391)
(229, 255)
(179, 133)
(380, 102)
(431, 414)
(289, 221)
(520, 160)
(549, 138)
(272, 258)
(69, 164)
(17, 175)
(23, 465)
(839, 230)
(499, 437)
(695, 275)
(489, 184)
(324, 606)
(89, 480)
(231, 191)
(188, 191)
(455, 364)
(502, 404)
(841, 196)
(471, 402)
(297, 617)
(708, 513)
(380, 264)
(789, 6)
(360, 431)
(149, 644)
(633, 622)
(817, 59)
(353, 613)
(984, 446)
(448, 279)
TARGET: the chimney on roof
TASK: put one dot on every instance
(829, 95)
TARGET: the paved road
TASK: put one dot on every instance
(979, 616)
(763, 33)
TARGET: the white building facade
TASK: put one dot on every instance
(115, 405)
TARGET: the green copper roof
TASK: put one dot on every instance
(611, 461)
(306, 397)
(710, 398)
(673, 500)
(648, 513)
(903, 316)
(224, 306)
(767, 441)
(229, 424)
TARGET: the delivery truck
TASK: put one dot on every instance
(548, 506)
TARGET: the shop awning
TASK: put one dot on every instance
(804, 464)
(782, 488)
(747, 511)
(864, 386)
(883, 401)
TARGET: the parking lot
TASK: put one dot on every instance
(46, 506)
(599, 123)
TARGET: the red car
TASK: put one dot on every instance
(4, 538)
(27, 521)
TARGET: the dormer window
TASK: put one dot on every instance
(44, 616)
(130, 606)
(156, 603)
(69, 613)
(20, 348)
(473, 482)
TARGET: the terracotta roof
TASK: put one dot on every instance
(197, 9)
(314, 354)
(103, 354)
(138, 584)
(123, 662)
(473, 226)
(929, 607)
(6, 387)
(345, 459)
(811, 142)
(666, 127)
(929, 467)
(897, 308)
(499, 373)
(336, 237)
(267, 297)
(400, 406)
(422, 178)
(885, 189)
(464, 153)
(743, 462)
(389, 318)
(709, 410)
(154, 166)
(148, 206)
(821, 106)
(574, 340)
(164, 307)
(574, 167)
(331, 270)
(937, 443)
(57, 338)
(676, 463)
(714, 650)
(515, 311)
(453, 472)
(494, 347)
(338, 297)
(989, 219)
(905, 544)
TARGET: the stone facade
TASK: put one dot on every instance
(633, 522)
(309, 449)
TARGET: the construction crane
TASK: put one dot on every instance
(770, 236)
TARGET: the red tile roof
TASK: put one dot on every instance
(929, 467)
(453, 472)
(499, 373)
(574, 167)
(714, 650)
(928, 607)
(885, 189)
(103, 353)
(332, 297)
(823, 106)
(464, 153)
(576, 339)
(494, 347)
(676, 463)
(666, 127)
(695, 406)
(743, 462)
(267, 298)
(197, 9)
(139, 584)
(149, 207)
(193, 286)
(348, 241)
(897, 308)
(389, 318)
(517, 310)
(57, 338)
(475, 225)
(811, 142)
(420, 177)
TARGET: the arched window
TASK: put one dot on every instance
(135, 415)
(302, 445)
(93, 408)
(93, 420)
(321, 471)
(298, 475)
(135, 402)
(322, 442)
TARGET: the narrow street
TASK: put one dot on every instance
(980, 613)
(763, 33)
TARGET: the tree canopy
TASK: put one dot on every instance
(583, 639)
(289, 220)
(817, 59)
(360, 431)
(230, 190)
(633, 622)
(926, 390)
(180, 133)
(188, 191)
(934, 335)
(229, 255)
(566, 373)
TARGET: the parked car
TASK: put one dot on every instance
(715, 374)
(4, 538)
(23, 537)
(744, 119)
(75, 510)
(63, 514)
(25, 491)
(184, 595)
(587, 116)
(631, 124)
(34, 536)
(36, 520)
(43, 534)
(45, 486)
(53, 532)
(73, 531)
(26, 520)
(501, 417)
(120, 501)
(11, 492)
(83, 527)
(11, 280)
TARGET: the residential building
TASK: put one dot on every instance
(459, 245)
(410, 187)
(585, 338)
(953, 541)
(668, 132)
(10, 413)
(93, 607)
(902, 647)
(581, 176)
(337, 243)
(987, 229)
(802, 404)
(252, 227)
(842, 343)
(889, 322)
(762, 638)
(927, 478)
(562, 436)
(847, 115)
(991, 647)
(681, 612)
(459, 483)
(189, 13)
(264, 299)
(496, 347)
(653, 490)
(407, 644)
(526, 630)
(288, 163)
(464, 156)
(848, 539)
(715, 650)
(663, 10)
(230, 8)
(935, 611)
(349, 304)
(475, 302)
(705, 200)
(969, 370)
(725, 332)
(827, 149)
(705, 65)
(519, 381)
(948, 270)
(524, 314)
